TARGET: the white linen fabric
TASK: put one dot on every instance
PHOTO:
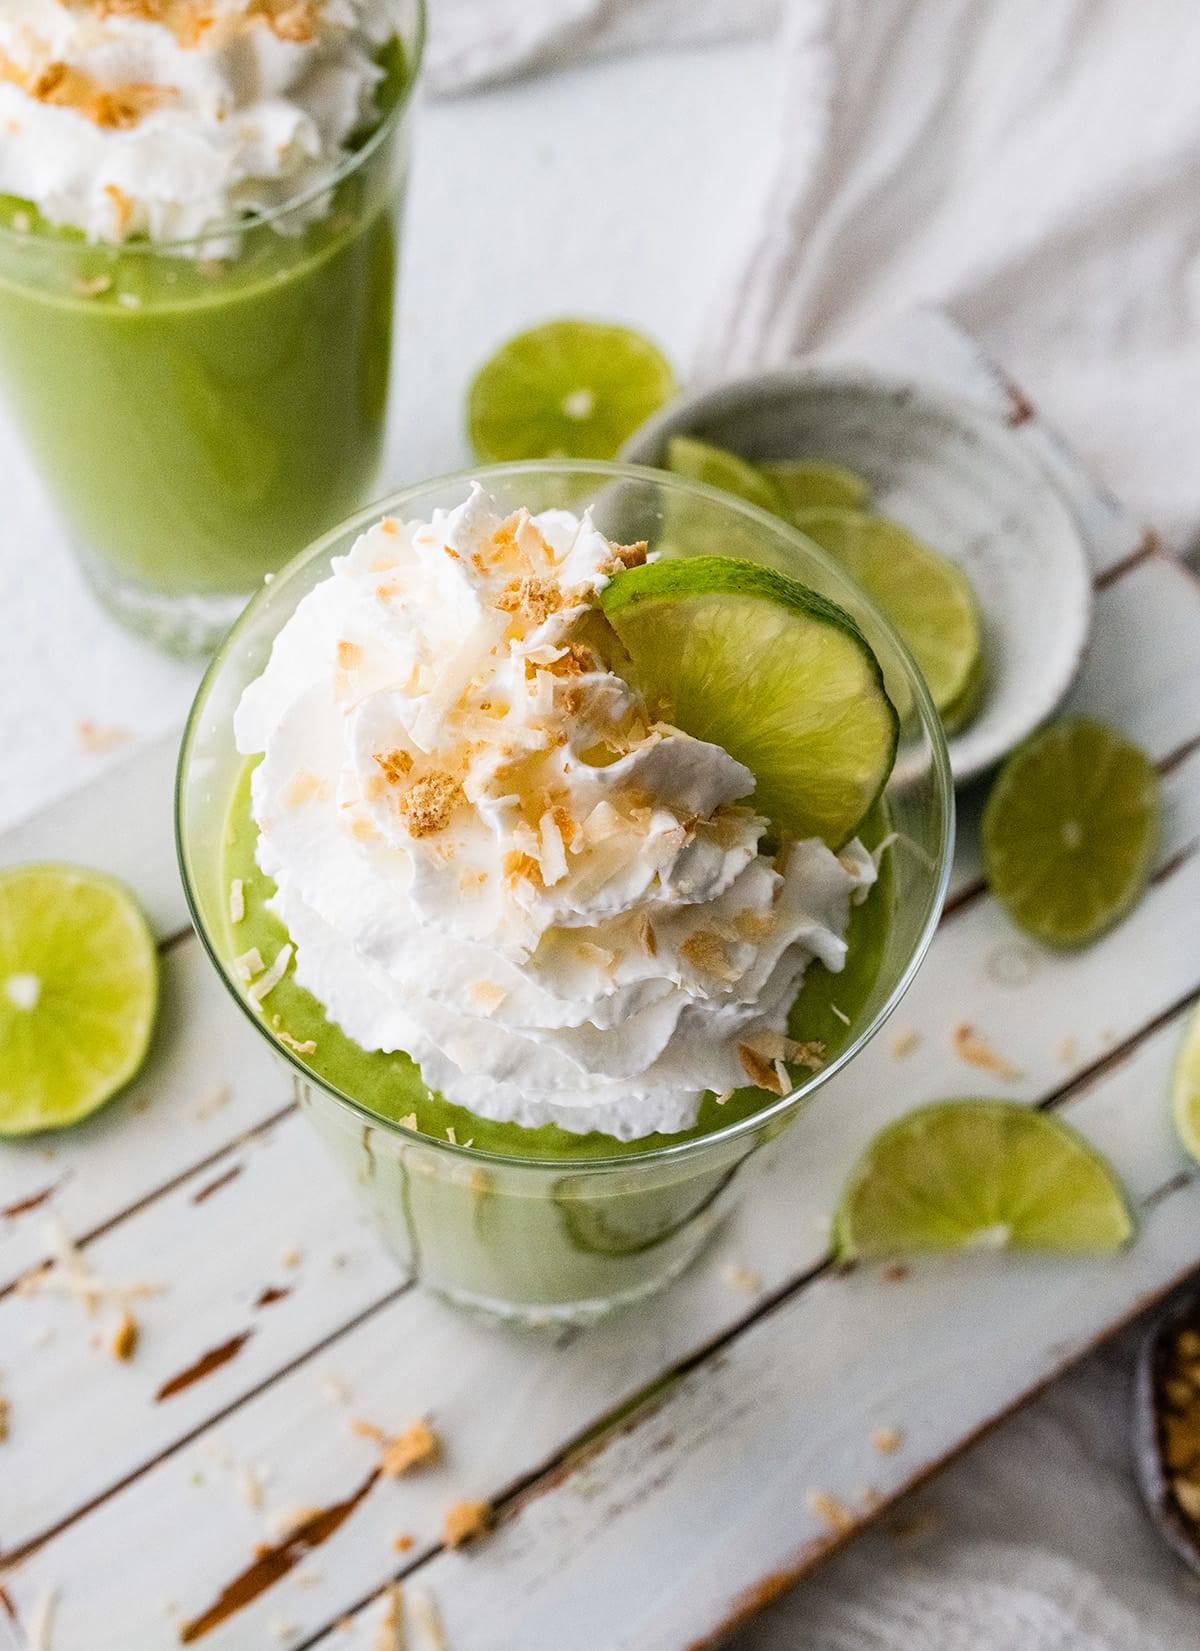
(1030, 165)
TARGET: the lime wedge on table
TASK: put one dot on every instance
(926, 596)
(774, 673)
(78, 992)
(1185, 1087)
(1070, 830)
(814, 484)
(702, 462)
(567, 389)
(980, 1174)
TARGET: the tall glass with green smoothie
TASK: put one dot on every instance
(562, 859)
(198, 214)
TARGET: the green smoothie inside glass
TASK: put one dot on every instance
(197, 271)
(550, 960)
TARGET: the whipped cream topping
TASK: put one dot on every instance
(491, 854)
(169, 118)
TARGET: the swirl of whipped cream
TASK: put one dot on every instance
(169, 118)
(490, 854)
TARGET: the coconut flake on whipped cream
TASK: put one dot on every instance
(170, 118)
(491, 854)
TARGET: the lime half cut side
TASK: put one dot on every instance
(78, 993)
(566, 389)
(980, 1175)
(814, 484)
(1070, 831)
(777, 675)
(1185, 1087)
(926, 596)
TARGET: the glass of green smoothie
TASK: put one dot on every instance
(197, 276)
(485, 1181)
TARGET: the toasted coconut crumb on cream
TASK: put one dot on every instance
(237, 900)
(395, 765)
(428, 804)
(831, 1511)
(304, 787)
(488, 995)
(630, 556)
(417, 1447)
(465, 1522)
(349, 656)
(267, 983)
(760, 1072)
(975, 1050)
(708, 953)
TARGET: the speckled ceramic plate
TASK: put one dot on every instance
(956, 478)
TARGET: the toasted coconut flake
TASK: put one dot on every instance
(248, 964)
(975, 1050)
(292, 1258)
(629, 556)
(422, 1609)
(5, 1415)
(553, 849)
(92, 737)
(41, 1621)
(250, 1488)
(364, 830)
(465, 1521)
(218, 1096)
(265, 984)
(404, 1542)
(417, 1447)
(742, 1278)
(520, 867)
(349, 656)
(887, 1440)
(237, 900)
(428, 804)
(840, 1014)
(574, 660)
(760, 1071)
(831, 1511)
(646, 935)
(307, 1046)
(531, 599)
(597, 956)
(755, 926)
(68, 1273)
(810, 1055)
(390, 1635)
(725, 1096)
(709, 954)
(488, 995)
(366, 1430)
(451, 1136)
(409, 1121)
(902, 1043)
(304, 787)
(125, 1337)
(395, 765)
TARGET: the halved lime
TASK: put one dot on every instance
(780, 677)
(926, 596)
(700, 461)
(980, 1175)
(78, 992)
(814, 484)
(1185, 1087)
(1070, 830)
(566, 389)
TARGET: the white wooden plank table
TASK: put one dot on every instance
(651, 1475)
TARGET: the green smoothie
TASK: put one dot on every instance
(200, 414)
(481, 1231)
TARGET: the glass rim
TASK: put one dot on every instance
(673, 1152)
(147, 248)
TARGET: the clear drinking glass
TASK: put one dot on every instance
(199, 409)
(560, 1240)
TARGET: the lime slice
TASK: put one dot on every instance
(634, 1220)
(1070, 830)
(774, 673)
(926, 596)
(980, 1175)
(1185, 1087)
(812, 484)
(700, 461)
(78, 991)
(567, 389)
(965, 707)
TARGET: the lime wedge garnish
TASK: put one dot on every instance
(700, 461)
(813, 484)
(567, 389)
(927, 597)
(987, 1175)
(78, 991)
(1070, 830)
(1185, 1087)
(777, 675)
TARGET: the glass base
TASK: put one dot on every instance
(188, 625)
